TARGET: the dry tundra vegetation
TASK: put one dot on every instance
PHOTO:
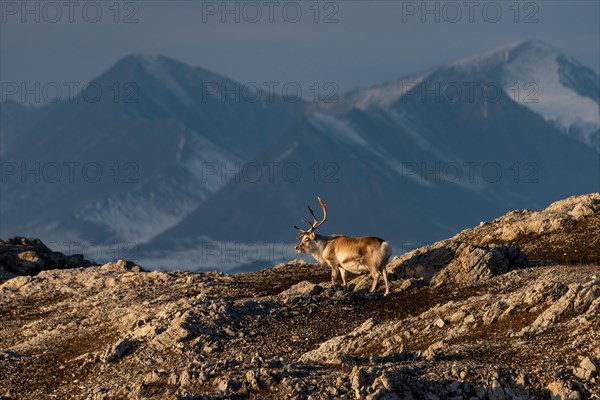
(506, 310)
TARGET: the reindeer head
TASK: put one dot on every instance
(307, 238)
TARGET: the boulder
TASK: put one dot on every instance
(452, 261)
(27, 256)
(304, 288)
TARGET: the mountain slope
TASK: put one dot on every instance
(179, 155)
(151, 140)
(532, 73)
(460, 160)
(15, 120)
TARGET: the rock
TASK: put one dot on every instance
(358, 380)
(582, 373)
(32, 257)
(227, 385)
(452, 261)
(342, 349)
(439, 323)
(578, 297)
(424, 262)
(589, 365)
(473, 264)
(405, 285)
(27, 256)
(557, 230)
(432, 351)
(252, 379)
(560, 390)
(119, 350)
(430, 396)
(185, 378)
(304, 288)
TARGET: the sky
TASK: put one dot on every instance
(349, 43)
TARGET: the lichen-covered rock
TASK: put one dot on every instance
(303, 288)
(119, 350)
(560, 390)
(27, 256)
(451, 261)
(562, 232)
(578, 297)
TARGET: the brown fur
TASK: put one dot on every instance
(347, 254)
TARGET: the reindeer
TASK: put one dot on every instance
(345, 254)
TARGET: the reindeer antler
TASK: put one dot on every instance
(315, 224)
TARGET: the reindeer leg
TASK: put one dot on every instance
(375, 274)
(335, 275)
(387, 283)
(343, 274)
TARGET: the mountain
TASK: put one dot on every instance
(126, 164)
(412, 163)
(187, 162)
(532, 73)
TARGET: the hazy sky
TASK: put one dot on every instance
(352, 43)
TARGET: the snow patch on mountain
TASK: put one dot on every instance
(550, 98)
(410, 127)
(493, 57)
(155, 65)
(386, 94)
(531, 76)
(207, 162)
(137, 217)
(338, 127)
(151, 207)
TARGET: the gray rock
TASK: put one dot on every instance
(561, 390)
(452, 261)
(119, 350)
(304, 288)
(589, 365)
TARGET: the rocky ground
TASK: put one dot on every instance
(484, 315)
(25, 256)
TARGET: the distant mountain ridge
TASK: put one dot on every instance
(396, 160)
(399, 156)
(151, 147)
(530, 72)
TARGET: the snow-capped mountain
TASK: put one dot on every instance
(408, 165)
(411, 160)
(531, 73)
(462, 162)
(126, 168)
